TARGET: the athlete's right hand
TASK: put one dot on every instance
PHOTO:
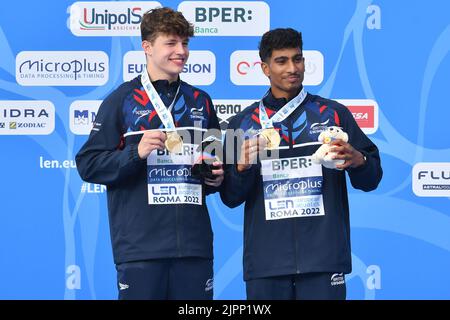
(249, 152)
(150, 141)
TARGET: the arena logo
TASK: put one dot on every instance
(108, 18)
(365, 112)
(82, 115)
(62, 68)
(225, 109)
(245, 68)
(226, 18)
(200, 69)
(22, 117)
(431, 179)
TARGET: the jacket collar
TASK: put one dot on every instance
(275, 103)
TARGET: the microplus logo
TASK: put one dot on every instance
(27, 117)
(82, 115)
(62, 68)
(200, 69)
(431, 179)
(108, 18)
(364, 111)
(227, 18)
(245, 68)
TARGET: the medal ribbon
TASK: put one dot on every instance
(283, 113)
(163, 112)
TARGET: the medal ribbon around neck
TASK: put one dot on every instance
(283, 113)
(161, 109)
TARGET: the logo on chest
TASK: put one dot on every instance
(197, 114)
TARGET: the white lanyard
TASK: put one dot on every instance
(283, 113)
(158, 104)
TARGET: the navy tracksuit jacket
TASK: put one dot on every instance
(140, 231)
(299, 244)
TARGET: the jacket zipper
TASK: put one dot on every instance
(295, 227)
(177, 231)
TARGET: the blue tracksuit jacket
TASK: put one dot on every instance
(299, 244)
(140, 231)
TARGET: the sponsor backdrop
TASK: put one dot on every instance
(387, 61)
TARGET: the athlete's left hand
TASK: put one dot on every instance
(344, 151)
(219, 173)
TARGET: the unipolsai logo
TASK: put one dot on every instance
(225, 109)
(245, 68)
(200, 69)
(108, 18)
(82, 115)
(365, 113)
(62, 68)
(431, 179)
(22, 117)
(226, 18)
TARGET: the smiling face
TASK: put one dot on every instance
(166, 56)
(285, 69)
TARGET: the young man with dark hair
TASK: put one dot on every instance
(159, 223)
(296, 216)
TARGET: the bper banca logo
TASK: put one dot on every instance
(227, 18)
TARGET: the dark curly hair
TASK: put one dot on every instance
(166, 21)
(279, 39)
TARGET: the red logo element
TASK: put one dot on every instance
(244, 67)
(364, 116)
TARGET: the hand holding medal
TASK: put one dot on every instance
(272, 138)
(151, 140)
(271, 135)
(173, 143)
(249, 152)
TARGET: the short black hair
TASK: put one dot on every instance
(279, 39)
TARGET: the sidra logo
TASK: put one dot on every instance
(108, 18)
(26, 117)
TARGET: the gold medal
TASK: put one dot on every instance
(173, 143)
(272, 137)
